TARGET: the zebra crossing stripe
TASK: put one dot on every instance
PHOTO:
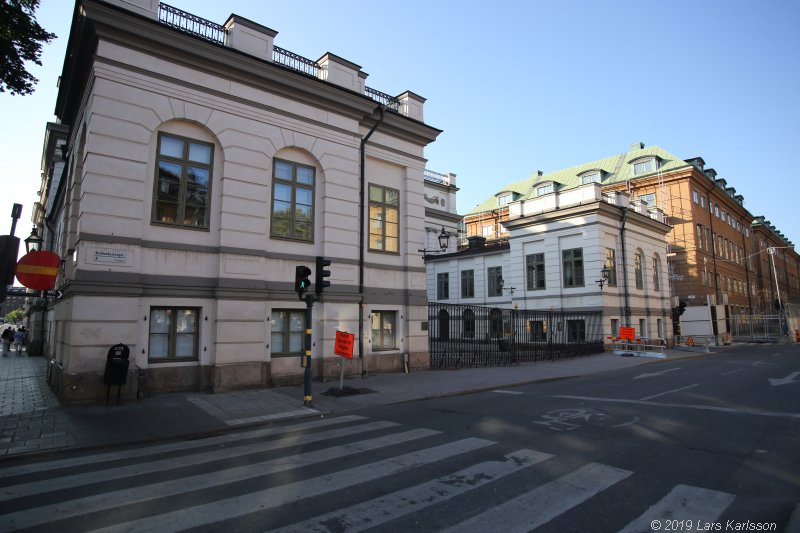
(685, 502)
(540, 505)
(161, 465)
(397, 504)
(212, 512)
(182, 446)
(144, 493)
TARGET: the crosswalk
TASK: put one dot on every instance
(347, 473)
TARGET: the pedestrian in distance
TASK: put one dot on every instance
(19, 341)
(5, 339)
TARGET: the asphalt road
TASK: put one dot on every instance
(707, 443)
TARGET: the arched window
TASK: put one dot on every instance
(638, 269)
(469, 324)
(444, 325)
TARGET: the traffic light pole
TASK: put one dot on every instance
(307, 397)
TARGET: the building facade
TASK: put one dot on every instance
(560, 245)
(713, 235)
(203, 164)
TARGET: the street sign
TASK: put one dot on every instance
(344, 344)
(627, 333)
(55, 294)
(38, 270)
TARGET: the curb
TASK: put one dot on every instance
(793, 526)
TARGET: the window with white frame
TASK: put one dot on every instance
(288, 332)
(174, 333)
(442, 286)
(534, 268)
(544, 189)
(384, 330)
(572, 266)
(590, 177)
(650, 198)
(494, 278)
(696, 197)
(643, 166)
(183, 182)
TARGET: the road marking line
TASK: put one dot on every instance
(225, 509)
(755, 412)
(163, 489)
(161, 465)
(50, 466)
(668, 392)
(702, 505)
(544, 503)
(380, 510)
(514, 392)
(733, 371)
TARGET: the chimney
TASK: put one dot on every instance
(637, 146)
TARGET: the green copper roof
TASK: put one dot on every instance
(615, 169)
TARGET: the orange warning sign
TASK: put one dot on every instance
(344, 344)
(627, 333)
(690, 341)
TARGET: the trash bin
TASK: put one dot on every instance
(116, 371)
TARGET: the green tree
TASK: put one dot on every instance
(21, 40)
(12, 317)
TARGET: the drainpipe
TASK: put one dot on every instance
(361, 232)
(625, 268)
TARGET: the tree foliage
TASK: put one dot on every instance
(12, 317)
(21, 40)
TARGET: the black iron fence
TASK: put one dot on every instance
(467, 335)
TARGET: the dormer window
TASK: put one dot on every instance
(547, 188)
(644, 165)
(591, 176)
(506, 197)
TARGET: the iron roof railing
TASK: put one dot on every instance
(215, 33)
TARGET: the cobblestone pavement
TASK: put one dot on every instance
(29, 411)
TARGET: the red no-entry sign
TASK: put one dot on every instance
(38, 270)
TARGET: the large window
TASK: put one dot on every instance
(183, 182)
(576, 330)
(572, 262)
(494, 277)
(384, 219)
(292, 201)
(288, 331)
(442, 286)
(643, 166)
(611, 265)
(173, 333)
(638, 269)
(534, 267)
(384, 326)
(467, 283)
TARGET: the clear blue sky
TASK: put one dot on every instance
(524, 85)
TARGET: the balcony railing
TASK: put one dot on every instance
(191, 24)
(436, 177)
(212, 32)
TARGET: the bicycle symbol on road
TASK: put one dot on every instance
(569, 419)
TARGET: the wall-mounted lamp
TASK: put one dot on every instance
(604, 273)
(502, 282)
(444, 243)
(33, 242)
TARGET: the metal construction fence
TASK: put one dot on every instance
(467, 335)
(767, 328)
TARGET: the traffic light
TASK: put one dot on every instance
(321, 275)
(301, 281)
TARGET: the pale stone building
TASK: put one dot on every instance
(560, 244)
(204, 164)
